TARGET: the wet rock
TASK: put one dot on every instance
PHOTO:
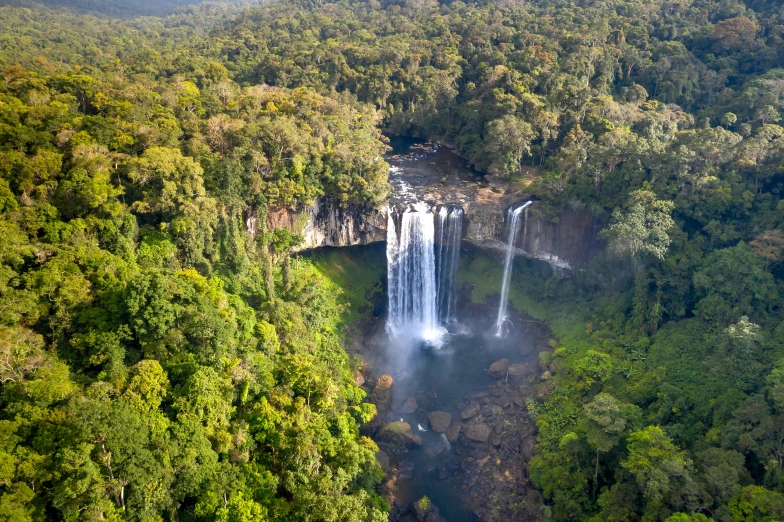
(477, 432)
(495, 391)
(410, 406)
(443, 473)
(519, 400)
(453, 431)
(398, 433)
(382, 393)
(498, 368)
(495, 440)
(440, 420)
(437, 448)
(478, 453)
(527, 430)
(383, 459)
(520, 371)
(405, 469)
(469, 412)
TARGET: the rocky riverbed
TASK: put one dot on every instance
(462, 439)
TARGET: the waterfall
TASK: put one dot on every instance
(449, 229)
(513, 217)
(411, 273)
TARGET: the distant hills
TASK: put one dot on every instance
(114, 8)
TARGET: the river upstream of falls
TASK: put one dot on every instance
(451, 377)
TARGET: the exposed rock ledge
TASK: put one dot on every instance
(327, 224)
(568, 241)
(436, 175)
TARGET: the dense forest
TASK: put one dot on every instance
(164, 357)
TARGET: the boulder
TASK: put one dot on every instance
(436, 448)
(520, 371)
(410, 406)
(477, 432)
(382, 393)
(546, 375)
(453, 431)
(383, 459)
(439, 420)
(545, 358)
(359, 378)
(398, 434)
(499, 368)
(426, 511)
(469, 412)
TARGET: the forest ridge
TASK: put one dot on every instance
(161, 361)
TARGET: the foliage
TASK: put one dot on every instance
(164, 356)
(159, 357)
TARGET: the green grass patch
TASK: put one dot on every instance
(358, 275)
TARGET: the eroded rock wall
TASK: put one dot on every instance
(326, 223)
(567, 239)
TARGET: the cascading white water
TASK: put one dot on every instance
(411, 273)
(449, 229)
(513, 217)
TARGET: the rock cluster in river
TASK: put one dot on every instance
(491, 433)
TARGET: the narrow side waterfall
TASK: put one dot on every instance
(513, 218)
(449, 230)
(411, 273)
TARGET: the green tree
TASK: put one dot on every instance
(658, 466)
(603, 424)
(731, 283)
(506, 141)
(642, 227)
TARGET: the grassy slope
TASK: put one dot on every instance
(358, 274)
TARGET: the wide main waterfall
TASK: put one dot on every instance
(449, 230)
(422, 257)
(513, 218)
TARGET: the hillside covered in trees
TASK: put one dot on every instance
(163, 357)
(112, 8)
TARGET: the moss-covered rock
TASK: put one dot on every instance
(545, 358)
(398, 434)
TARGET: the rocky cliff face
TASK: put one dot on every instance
(431, 173)
(327, 224)
(567, 239)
